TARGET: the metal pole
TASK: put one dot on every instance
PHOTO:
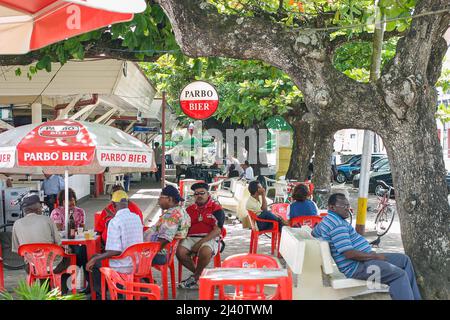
(375, 70)
(163, 140)
(66, 200)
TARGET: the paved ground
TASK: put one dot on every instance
(145, 194)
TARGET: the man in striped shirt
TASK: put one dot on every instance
(354, 256)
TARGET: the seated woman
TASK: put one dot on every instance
(302, 205)
(257, 203)
(79, 215)
(58, 214)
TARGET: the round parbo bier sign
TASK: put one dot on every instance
(199, 100)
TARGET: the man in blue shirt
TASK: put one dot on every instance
(354, 256)
(52, 185)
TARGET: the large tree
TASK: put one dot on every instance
(400, 106)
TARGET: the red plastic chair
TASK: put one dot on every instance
(131, 290)
(170, 264)
(2, 282)
(310, 221)
(141, 255)
(217, 258)
(250, 260)
(256, 233)
(280, 209)
(41, 263)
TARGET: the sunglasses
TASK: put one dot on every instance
(201, 193)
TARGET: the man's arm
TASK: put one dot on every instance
(100, 257)
(363, 256)
(262, 193)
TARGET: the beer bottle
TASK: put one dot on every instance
(72, 227)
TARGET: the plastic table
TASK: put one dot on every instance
(93, 246)
(244, 276)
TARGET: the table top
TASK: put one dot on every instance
(243, 273)
(79, 239)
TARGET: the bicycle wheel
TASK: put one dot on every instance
(350, 218)
(11, 260)
(384, 220)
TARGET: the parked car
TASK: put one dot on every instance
(344, 170)
(381, 173)
(384, 173)
(373, 166)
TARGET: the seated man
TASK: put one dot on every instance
(174, 222)
(260, 207)
(124, 230)
(355, 258)
(108, 213)
(207, 219)
(36, 228)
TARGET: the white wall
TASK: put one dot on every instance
(80, 183)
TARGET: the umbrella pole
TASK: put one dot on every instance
(66, 201)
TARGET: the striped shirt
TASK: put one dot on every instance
(124, 230)
(342, 237)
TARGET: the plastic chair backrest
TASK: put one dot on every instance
(113, 279)
(141, 255)
(250, 260)
(40, 257)
(327, 259)
(280, 188)
(239, 190)
(310, 221)
(252, 218)
(280, 209)
(171, 248)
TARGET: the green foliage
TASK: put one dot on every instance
(249, 91)
(37, 291)
(354, 58)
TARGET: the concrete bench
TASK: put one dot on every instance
(316, 276)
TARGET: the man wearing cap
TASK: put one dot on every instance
(124, 230)
(173, 223)
(36, 228)
(101, 225)
(207, 219)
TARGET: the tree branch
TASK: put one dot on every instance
(104, 48)
(202, 32)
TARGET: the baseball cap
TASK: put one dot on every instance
(199, 185)
(29, 200)
(171, 191)
(119, 196)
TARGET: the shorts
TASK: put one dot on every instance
(189, 242)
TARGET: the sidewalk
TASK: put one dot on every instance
(145, 194)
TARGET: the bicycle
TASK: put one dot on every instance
(11, 260)
(385, 209)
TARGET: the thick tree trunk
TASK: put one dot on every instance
(400, 108)
(302, 150)
(421, 194)
(322, 159)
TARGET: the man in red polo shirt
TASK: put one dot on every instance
(207, 219)
(109, 212)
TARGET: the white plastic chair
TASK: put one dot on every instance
(214, 188)
(269, 185)
(281, 192)
(112, 179)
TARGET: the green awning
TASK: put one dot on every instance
(278, 123)
(170, 144)
(194, 141)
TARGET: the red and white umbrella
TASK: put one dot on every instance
(27, 25)
(75, 147)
